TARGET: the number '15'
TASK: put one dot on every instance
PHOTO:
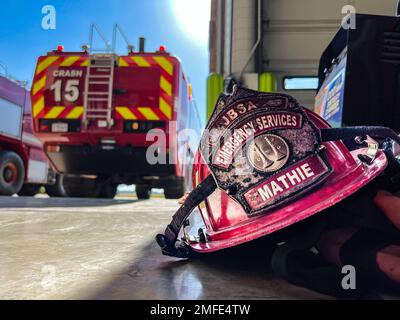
(71, 90)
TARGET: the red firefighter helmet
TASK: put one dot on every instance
(268, 163)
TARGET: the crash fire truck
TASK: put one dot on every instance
(24, 167)
(93, 112)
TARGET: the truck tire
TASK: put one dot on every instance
(143, 191)
(12, 173)
(57, 189)
(175, 191)
(81, 187)
(108, 191)
(29, 190)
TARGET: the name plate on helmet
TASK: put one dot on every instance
(262, 149)
(286, 182)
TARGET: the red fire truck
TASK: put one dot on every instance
(93, 112)
(24, 167)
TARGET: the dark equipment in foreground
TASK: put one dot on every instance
(359, 74)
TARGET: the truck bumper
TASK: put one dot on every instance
(94, 160)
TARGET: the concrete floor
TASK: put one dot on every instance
(103, 249)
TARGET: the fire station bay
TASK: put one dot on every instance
(265, 165)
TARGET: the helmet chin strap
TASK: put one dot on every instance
(168, 240)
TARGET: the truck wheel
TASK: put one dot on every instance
(175, 191)
(108, 191)
(12, 173)
(81, 187)
(57, 189)
(29, 190)
(143, 191)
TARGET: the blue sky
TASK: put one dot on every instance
(181, 25)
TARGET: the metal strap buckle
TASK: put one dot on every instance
(373, 148)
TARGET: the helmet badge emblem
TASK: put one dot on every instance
(268, 153)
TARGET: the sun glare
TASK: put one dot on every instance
(193, 17)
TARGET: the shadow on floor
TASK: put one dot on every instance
(41, 202)
(239, 273)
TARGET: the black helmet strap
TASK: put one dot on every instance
(334, 134)
(168, 240)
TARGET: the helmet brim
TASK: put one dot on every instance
(346, 181)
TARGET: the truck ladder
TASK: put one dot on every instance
(99, 90)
